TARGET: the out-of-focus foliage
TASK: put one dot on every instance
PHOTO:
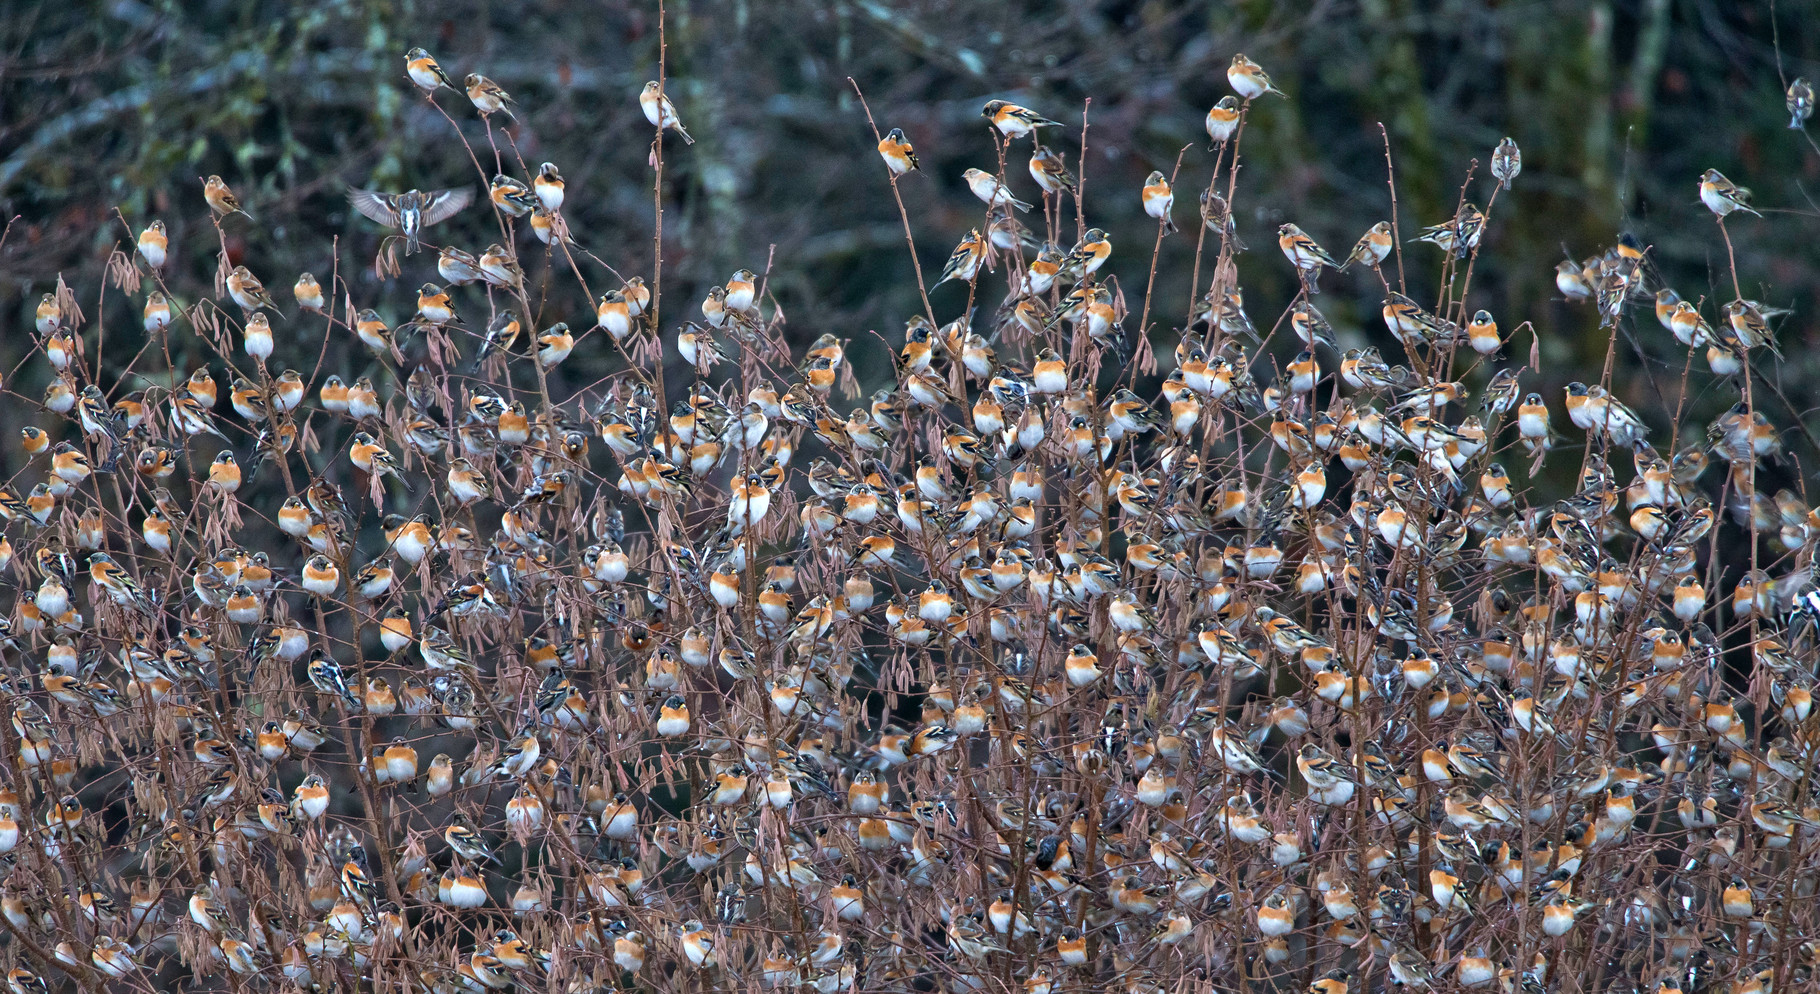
(1617, 106)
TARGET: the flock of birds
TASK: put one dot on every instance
(1029, 672)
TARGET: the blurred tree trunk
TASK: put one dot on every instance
(1398, 101)
(1595, 103)
(1645, 67)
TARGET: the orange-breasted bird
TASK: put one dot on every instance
(221, 199)
(1302, 251)
(157, 313)
(549, 186)
(1223, 120)
(1050, 171)
(511, 196)
(965, 262)
(1248, 79)
(224, 472)
(500, 268)
(154, 244)
(424, 71)
(1013, 121)
(487, 96)
(1158, 199)
(897, 152)
(434, 306)
(1722, 196)
(1372, 246)
(308, 293)
(247, 291)
(660, 111)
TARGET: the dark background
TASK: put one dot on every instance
(1618, 107)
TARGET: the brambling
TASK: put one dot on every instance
(1039, 275)
(1800, 102)
(154, 244)
(320, 576)
(1458, 236)
(1372, 247)
(425, 72)
(525, 811)
(308, 293)
(511, 197)
(1688, 326)
(673, 717)
(1411, 323)
(238, 953)
(1248, 79)
(332, 395)
(1750, 324)
(374, 579)
(157, 313)
(221, 199)
(1158, 199)
(434, 307)
(964, 263)
(112, 957)
(157, 530)
(113, 578)
(287, 391)
(69, 464)
(550, 227)
(257, 337)
(1722, 196)
(410, 211)
(1506, 162)
(499, 268)
(637, 296)
(1089, 254)
(190, 417)
(990, 191)
(742, 291)
(1275, 916)
(549, 186)
(60, 394)
(1482, 333)
(1301, 250)
(487, 96)
(33, 440)
(59, 347)
(899, 156)
(1050, 171)
(660, 111)
(554, 345)
(1013, 121)
(1222, 120)
(458, 267)
(1571, 281)
(23, 981)
(371, 329)
(502, 334)
(465, 841)
(1311, 326)
(311, 798)
(1409, 969)
(98, 420)
(1558, 916)
(247, 291)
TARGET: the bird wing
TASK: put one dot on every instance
(445, 204)
(376, 206)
